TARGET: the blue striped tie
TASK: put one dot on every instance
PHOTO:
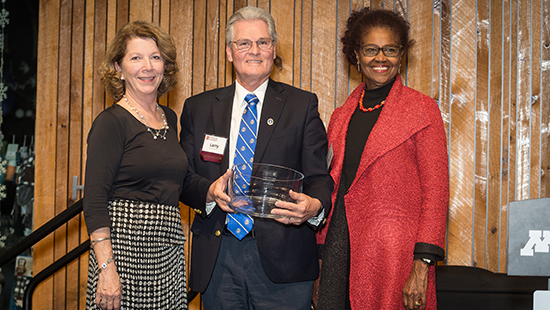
(240, 224)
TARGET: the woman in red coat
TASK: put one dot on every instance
(387, 227)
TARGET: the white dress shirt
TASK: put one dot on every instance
(239, 105)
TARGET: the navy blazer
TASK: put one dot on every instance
(296, 139)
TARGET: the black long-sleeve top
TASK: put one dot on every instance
(125, 162)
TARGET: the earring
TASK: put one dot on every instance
(122, 77)
(358, 66)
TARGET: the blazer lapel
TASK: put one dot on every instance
(221, 119)
(273, 104)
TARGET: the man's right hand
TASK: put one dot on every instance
(217, 192)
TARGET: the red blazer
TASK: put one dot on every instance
(399, 196)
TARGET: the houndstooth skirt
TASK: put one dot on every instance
(147, 241)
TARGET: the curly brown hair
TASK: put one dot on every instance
(364, 20)
(110, 77)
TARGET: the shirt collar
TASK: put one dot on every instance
(241, 92)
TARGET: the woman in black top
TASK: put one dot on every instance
(134, 171)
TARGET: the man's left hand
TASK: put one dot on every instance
(299, 212)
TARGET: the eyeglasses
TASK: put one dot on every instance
(371, 50)
(244, 45)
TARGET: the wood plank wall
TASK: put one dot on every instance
(486, 62)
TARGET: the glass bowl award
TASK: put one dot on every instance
(255, 193)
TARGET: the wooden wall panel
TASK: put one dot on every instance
(46, 124)
(534, 101)
(436, 52)
(230, 9)
(523, 102)
(102, 34)
(87, 112)
(62, 151)
(199, 46)
(323, 66)
(75, 147)
(283, 10)
(494, 136)
(485, 62)
(355, 77)
(181, 20)
(441, 73)
(306, 51)
(297, 46)
(418, 65)
(141, 10)
(120, 15)
(481, 132)
(505, 126)
(343, 69)
(512, 82)
(443, 12)
(161, 17)
(545, 99)
(462, 134)
(221, 59)
(213, 41)
(377, 4)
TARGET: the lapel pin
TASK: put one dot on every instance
(270, 122)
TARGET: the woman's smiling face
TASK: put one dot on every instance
(142, 67)
(379, 70)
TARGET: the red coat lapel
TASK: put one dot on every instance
(387, 134)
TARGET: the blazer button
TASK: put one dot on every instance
(218, 233)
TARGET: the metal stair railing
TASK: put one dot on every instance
(42, 233)
(34, 238)
(50, 270)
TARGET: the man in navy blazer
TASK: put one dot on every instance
(274, 266)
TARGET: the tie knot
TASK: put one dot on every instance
(251, 99)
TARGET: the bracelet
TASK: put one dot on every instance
(98, 240)
(104, 265)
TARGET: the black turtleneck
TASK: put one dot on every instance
(360, 127)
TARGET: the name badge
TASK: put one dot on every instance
(213, 148)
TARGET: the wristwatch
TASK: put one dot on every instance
(427, 261)
(321, 209)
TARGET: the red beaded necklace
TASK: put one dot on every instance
(376, 107)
